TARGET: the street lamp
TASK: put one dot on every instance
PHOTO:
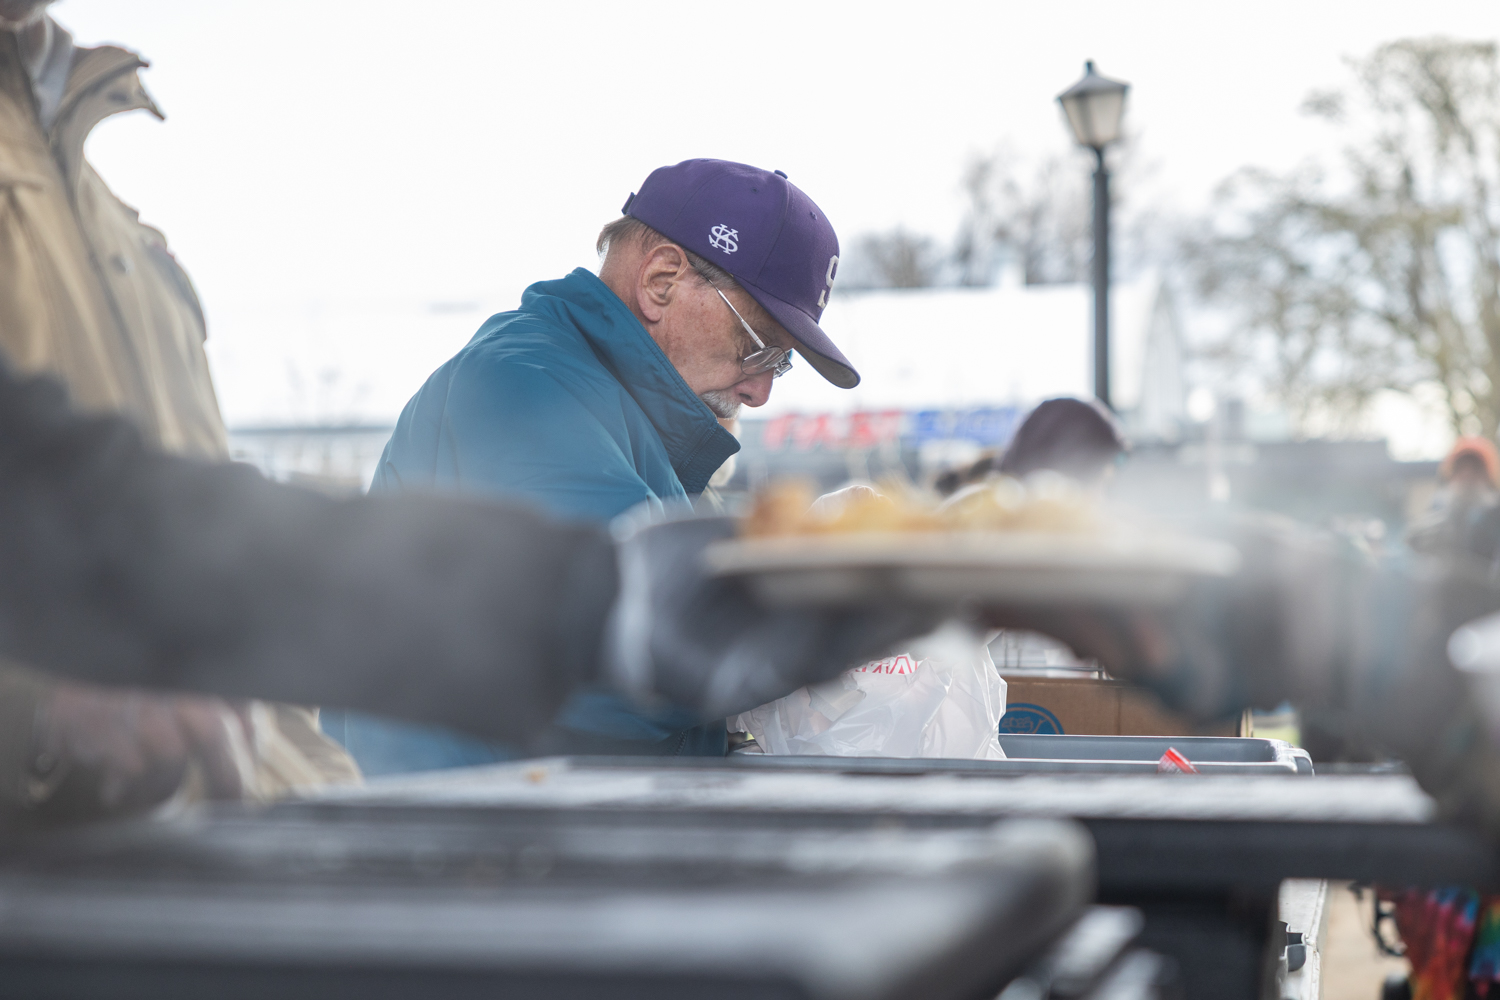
(1094, 106)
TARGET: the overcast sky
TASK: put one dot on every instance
(333, 160)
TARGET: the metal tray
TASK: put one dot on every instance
(1291, 765)
(1215, 750)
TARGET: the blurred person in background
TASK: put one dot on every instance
(603, 393)
(1076, 438)
(91, 296)
(88, 293)
(1079, 439)
(1465, 516)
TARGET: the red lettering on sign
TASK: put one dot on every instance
(777, 430)
(864, 429)
(810, 432)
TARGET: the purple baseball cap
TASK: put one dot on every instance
(761, 228)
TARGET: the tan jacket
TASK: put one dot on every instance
(87, 292)
(90, 295)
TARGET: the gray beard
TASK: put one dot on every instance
(722, 403)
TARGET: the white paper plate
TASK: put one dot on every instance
(995, 568)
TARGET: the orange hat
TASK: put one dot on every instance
(1479, 447)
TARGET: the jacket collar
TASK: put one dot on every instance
(102, 82)
(696, 444)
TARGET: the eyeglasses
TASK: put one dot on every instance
(767, 359)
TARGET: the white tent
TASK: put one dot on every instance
(937, 348)
(958, 348)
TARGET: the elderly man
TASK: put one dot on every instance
(601, 393)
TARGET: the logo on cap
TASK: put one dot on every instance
(721, 237)
(833, 271)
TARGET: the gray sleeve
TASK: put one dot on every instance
(122, 565)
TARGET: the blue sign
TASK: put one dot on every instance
(1025, 719)
(932, 425)
(989, 426)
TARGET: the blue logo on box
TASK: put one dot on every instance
(1024, 719)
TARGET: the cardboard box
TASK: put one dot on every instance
(1087, 706)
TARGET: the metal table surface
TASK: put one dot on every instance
(1175, 832)
(1202, 856)
(243, 903)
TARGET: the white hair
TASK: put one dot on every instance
(627, 228)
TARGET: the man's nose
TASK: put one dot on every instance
(755, 390)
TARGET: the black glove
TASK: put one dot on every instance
(1311, 620)
(678, 635)
(1275, 630)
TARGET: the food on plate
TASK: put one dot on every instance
(996, 545)
(1042, 504)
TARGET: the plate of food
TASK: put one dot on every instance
(996, 544)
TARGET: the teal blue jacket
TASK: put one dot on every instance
(569, 403)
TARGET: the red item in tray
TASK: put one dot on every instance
(1173, 762)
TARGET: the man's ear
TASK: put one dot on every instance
(662, 274)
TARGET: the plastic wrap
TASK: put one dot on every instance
(942, 698)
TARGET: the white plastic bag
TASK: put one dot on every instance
(944, 698)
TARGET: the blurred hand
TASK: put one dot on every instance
(131, 748)
(1319, 624)
(1279, 629)
(679, 635)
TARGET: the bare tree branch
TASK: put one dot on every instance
(1392, 278)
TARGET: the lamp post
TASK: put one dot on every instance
(1094, 107)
